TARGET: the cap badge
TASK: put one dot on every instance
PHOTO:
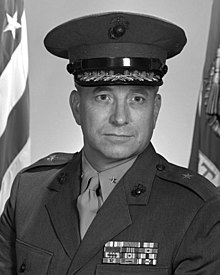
(118, 28)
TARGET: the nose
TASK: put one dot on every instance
(120, 114)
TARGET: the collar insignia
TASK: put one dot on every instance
(187, 176)
(113, 180)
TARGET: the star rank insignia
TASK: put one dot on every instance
(52, 157)
(113, 180)
(136, 253)
(187, 176)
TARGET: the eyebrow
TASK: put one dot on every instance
(101, 88)
(140, 90)
(136, 89)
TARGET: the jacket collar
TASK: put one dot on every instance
(62, 207)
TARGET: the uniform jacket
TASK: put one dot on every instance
(154, 202)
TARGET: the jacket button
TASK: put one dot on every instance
(62, 178)
(160, 167)
(22, 268)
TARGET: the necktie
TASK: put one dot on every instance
(88, 204)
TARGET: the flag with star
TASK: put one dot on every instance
(14, 95)
(205, 155)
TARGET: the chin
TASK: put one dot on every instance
(119, 154)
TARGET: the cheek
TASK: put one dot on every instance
(145, 125)
(91, 119)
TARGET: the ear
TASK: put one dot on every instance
(157, 105)
(74, 101)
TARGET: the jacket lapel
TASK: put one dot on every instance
(114, 215)
(62, 207)
(112, 218)
(141, 176)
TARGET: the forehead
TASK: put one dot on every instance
(119, 89)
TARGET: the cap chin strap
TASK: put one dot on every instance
(115, 71)
(139, 63)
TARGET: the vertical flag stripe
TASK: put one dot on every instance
(14, 95)
(21, 160)
(13, 80)
(16, 133)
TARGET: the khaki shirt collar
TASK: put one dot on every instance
(108, 178)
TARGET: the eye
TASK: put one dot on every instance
(138, 99)
(102, 98)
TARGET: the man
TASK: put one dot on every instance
(117, 207)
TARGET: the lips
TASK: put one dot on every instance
(118, 138)
(119, 135)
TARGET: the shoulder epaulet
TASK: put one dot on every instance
(55, 159)
(187, 178)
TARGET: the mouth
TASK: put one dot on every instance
(118, 137)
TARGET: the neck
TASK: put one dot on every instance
(100, 164)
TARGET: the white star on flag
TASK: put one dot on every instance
(12, 24)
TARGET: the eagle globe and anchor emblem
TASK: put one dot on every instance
(211, 97)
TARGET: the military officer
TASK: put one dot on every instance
(116, 207)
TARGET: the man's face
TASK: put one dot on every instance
(117, 121)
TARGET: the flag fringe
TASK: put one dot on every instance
(212, 96)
